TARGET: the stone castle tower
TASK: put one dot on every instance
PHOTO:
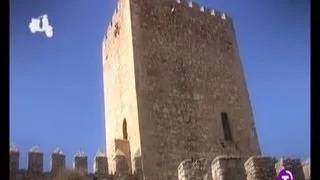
(174, 87)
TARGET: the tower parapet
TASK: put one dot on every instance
(58, 161)
(194, 6)
(80, 162)
(228, 168)
(14, 158)
(100, 166)
(35, 160)
(175, 5)
(259, 167)
(194, 169)
(307, 168)
(58, 164)
(121, 164)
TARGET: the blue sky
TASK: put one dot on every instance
(56, 93)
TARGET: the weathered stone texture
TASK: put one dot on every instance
(194, 169)
(171, 70)
(228, 168)
(185, 170)
(261, 168)
(119, 82)
(123, 146)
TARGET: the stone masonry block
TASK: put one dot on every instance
(185, 171)
(194, 169)
(260, 168)
(228, 168)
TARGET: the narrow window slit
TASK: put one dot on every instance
(124, 129)
(226, 126)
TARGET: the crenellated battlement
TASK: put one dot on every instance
(175, 5)
(233, 167)
(195, 6)
(222, 167)
(207, 18)
(58, 164)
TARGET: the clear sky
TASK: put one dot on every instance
(56, 92)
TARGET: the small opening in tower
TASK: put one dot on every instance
(226, 126)
(172, 8)
(124, 129)
(222, 145)
(117, 30)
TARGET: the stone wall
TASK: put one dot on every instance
(221, 168)
(35, 171)
(232, 167)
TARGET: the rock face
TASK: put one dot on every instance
(174, 86)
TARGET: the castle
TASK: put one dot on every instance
(174, 90)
